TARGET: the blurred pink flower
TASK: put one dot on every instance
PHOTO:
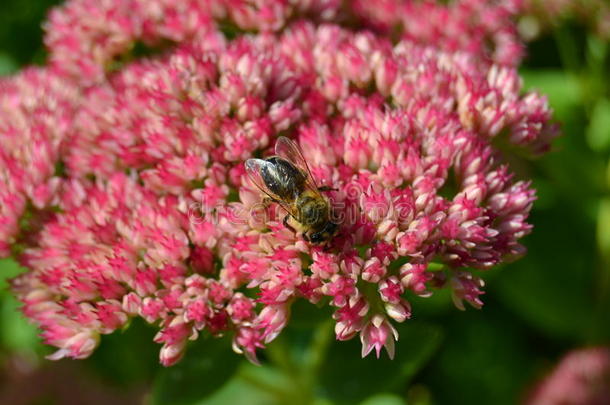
(153, 215)
(480, 27)
(582, 377)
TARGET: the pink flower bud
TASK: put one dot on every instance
(373, 270)
(400, 311)
(272, 320)
(376, 334)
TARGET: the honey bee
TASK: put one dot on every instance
(286, 180)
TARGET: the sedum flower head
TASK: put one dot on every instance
(152, 214)
(582, 377)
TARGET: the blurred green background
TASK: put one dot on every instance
(536, 309)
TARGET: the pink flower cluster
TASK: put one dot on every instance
(478, 27)
(87, 36)
(582, 377)
(36, 110)
(152, 214)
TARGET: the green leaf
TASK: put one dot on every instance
(603, 278)
(235, 391)
(16, 333)
(603, 228)
(550, 288)
(570, 166)
(260, 384)
(384, 399)
(206, 367)
(307, 315)
(21, 31)
(347, 378)
(8, 269)
(7, 64)
(439, 303)
(598, 132)
(608, 175)
(562, 89)
(487, 358)
(138, 353)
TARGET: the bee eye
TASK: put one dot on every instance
(316, 237)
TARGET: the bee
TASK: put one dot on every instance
(286, 180)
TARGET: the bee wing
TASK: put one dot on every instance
(289, 150)
(253, 168)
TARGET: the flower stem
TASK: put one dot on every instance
(254, 380)
(321, 341)
(279, 353)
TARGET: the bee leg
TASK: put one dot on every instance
(327, 188)
(287, 225)
(267, 201)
